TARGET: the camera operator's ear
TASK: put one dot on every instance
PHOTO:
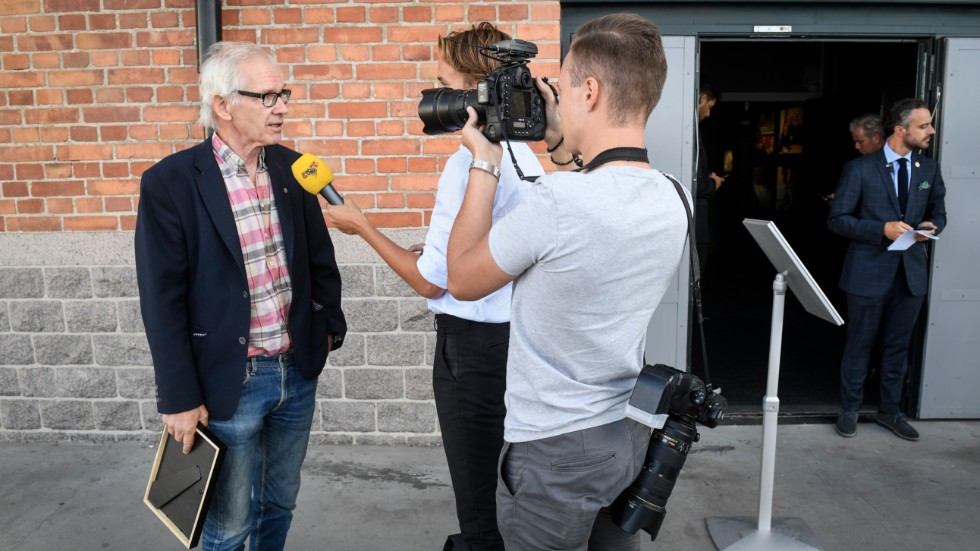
(591, 92)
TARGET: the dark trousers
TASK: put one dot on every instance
(469, 377)
(893, 317)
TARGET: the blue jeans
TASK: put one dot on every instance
(266, 440)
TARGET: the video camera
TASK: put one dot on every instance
(672, 403)
(507, 102)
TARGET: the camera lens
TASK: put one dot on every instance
(644, 503)
(443, 110)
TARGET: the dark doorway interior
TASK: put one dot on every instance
(781, 132)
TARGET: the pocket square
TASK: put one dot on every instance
(923, 185)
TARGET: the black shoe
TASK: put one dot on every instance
(896, 423)
(847, 423)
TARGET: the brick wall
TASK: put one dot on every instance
(92, 92)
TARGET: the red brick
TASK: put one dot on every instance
(166, 57)
(391, 128)
(85, 170)
(113, 187)
(386, 52)
(71, 5)
(387, 14)
(33, 223)
(12, 7)
(84, 133)
(351, 15)
(417, 53)
(170, 114)
(14, 189)
(92, 77)
(119, 204)
(27, 79)
(360, 129)
(104, 41)
(390, 201)
(168, 94)
(57, 170)
(417, 14)
(421, 164)
(329, 128)
(88, 205)
(319, 16)
(57, 189)
(83, 152)
(15, 62)
(111, 114)
(404, 109)
(290, 36)
(387, 71)
(51, 116)
(59, 205)
(355, 53)
(13, 25)
(139, 95)
(415, 34)
(105, 59)
(165, 20)
(30, 134)
(482, 13)
(7, 206)
(356, 90)
(296, 129)
(351, 35)
(390, 147)
(395, 219)
(115, 170)
(318, 54)
(392, 164)
(75, 60)
(535, 32)
(362, 183)
(256, 16)
(449, 13)
(336, 71)
(136, 58)
(421, 200)
(174, 132)
(133, 21)
(324, 91)
(162, 39)
(132, 75)
(42, 24)
(359, 166)
(90, 223)
(54, 134)
(143, 151)
(72, 22)
(29, 171)
(16, 97)
(102, 22)
(361, 110)
(143, 132)
(546, 12)
(30, 206)
(440, 146)
(48, 96)
(183, 75)
(127, 222)
(46, 60)
(512, 12)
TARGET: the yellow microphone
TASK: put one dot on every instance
(315, 177)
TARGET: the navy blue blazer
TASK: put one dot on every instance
(193, 290)
(864, 201)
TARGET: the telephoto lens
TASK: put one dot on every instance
(644, 503)
(443, 110)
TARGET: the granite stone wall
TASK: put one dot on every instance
(74, 362)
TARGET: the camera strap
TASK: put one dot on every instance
(639, 154)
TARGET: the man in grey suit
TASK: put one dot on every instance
(879, 197)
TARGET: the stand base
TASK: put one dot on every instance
(742, 533)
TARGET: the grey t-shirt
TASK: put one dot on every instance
(594, 254)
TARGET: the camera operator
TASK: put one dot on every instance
(469, 373)
(591, 255)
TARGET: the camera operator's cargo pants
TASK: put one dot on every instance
(554, 493)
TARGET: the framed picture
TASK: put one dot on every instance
(790, 130)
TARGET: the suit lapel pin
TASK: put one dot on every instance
(888, 166)
(917, 164)
(923, 185)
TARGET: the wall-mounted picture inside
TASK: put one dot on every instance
(790, 130)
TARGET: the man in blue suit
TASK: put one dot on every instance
(880, 197)
(240, 296)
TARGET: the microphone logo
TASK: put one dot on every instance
(310, 171)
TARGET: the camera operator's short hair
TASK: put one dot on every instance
(221, 75)
(624, 52)
(870, 123)
(901, 112)
(461, 50)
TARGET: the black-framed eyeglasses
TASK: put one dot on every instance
(269, 98)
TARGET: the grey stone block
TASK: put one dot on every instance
(374, 384)
(122, 350)
(130, 316)
(333, 439)
(63, 349)
(21, 283)
(4, 318)
(16, 349)
(352, 353)
(330, 384)
(401, 349)
(379, 440)
(36, 316)
(430, 348)
(418, 384)
(19, 414)
(114, 281)
(36, 381)
(414, 315)
(91, 316)
(371, 315)
(68, 282)
(117, 415)
(344, 416)
(151, 418)
(9, 386)
(85, 382)
(358, 280)
(391, 284)
(415, 417)
(67, 415)
(425, 441)
(136, 383)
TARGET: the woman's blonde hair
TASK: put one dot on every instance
(461, 50)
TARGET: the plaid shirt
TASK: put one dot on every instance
(260, 235)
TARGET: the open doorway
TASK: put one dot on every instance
(781, 133)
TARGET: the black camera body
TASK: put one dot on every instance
(672, 403)
(507, 102)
